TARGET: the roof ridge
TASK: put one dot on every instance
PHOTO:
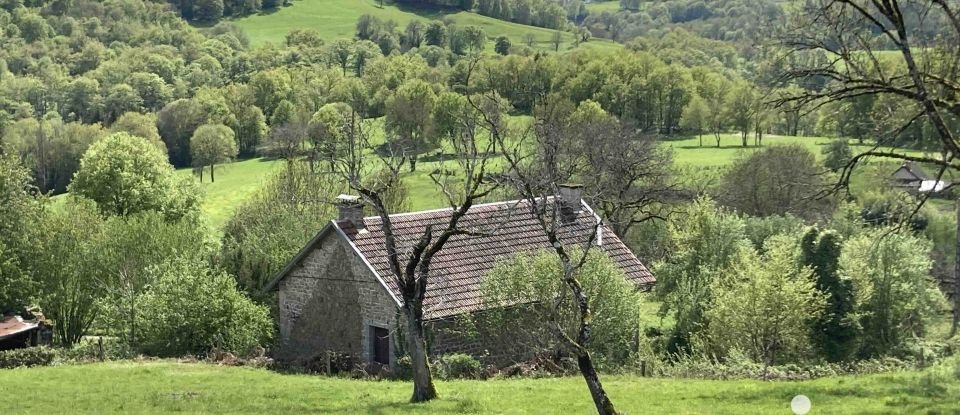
(446, 209)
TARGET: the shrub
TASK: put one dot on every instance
(191, 309)
(28, 357)
(524, 291)
(893, 290)
(460, 366)
(837, 154)
(764, 305)
(88, 350)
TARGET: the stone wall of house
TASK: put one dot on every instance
(498, 348)
(330, 302)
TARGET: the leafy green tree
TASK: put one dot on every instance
(139, 125)
(125, 177)
(269, 88)
(895, 294)
(21, 212)
(556, 38)
(837, 154)
(409, 118)
(775, 181)
(763, 305)
(436, 33)
(212, 144)
(285, 113)
(168, 323)
(740, 108)
(246, 120)
(696, 117)
(364, 51)
(120, 99)
(475, 38)
(82, 100)
(706, 241)
(207, 10)
(413, 34)
(267, 230)
(152, 89)
(128, 248)
(529, 303)
(503, 45)
(176, 123)
(327, 130)
(836, 331)
(72, 282)
(340, 52)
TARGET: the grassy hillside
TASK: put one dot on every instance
(144, 388)
(335, 19)
(235, 183)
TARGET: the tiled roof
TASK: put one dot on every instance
(457, 270)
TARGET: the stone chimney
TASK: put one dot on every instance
(570, 196)
(351, 210)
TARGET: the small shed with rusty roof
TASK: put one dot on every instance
(338, 293)
(16, 333)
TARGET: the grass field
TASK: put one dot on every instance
(165, 387)
(238, 181)
(235, 183)
(335, 19)
(602, 6)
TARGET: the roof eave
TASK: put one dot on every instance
(297, 258)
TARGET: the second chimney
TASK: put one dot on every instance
(351, 210)
(570, 196)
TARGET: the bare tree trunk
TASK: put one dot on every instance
(580, 345)
(211, 174)
(423, 389)
(201, 174)
(600, 399)
(956, 282)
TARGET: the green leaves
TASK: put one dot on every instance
(191, 308)
(124, 176)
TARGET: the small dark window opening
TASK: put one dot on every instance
(381, 345)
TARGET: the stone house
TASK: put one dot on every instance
(338, 293)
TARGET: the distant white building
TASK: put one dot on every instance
(912, 178)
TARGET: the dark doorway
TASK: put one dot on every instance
(381, 345)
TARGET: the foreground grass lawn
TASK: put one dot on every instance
(127, 387)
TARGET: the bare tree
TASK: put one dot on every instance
(631, 175)
(538, 165)
(839, 43)
(372, 174)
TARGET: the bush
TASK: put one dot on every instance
(191, 309)
(29, 357)
(88, 350)
(525, 289)
(460, 366)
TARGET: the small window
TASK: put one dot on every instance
(381, 345)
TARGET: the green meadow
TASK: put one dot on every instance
(336, 19)
(195, 388)
(236, 182)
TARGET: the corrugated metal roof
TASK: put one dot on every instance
(10, 326)
(457, 271)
